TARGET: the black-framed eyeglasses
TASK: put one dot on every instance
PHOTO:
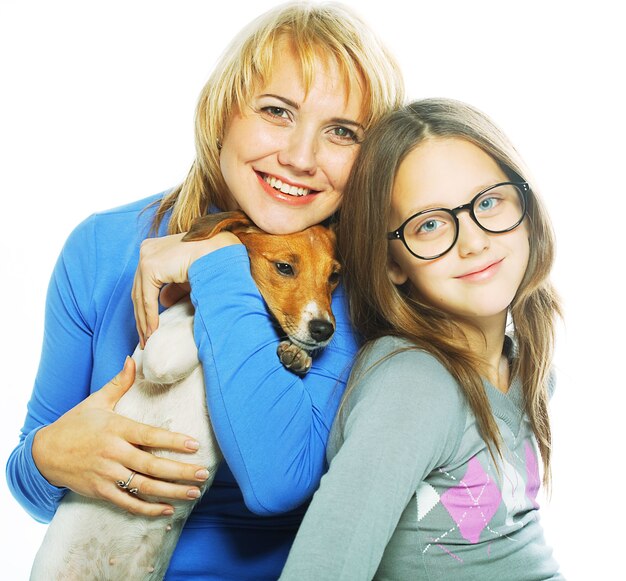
(432, 233)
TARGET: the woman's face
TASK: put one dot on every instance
(479, 277)
(286, 158)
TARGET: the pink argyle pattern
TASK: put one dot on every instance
(533, 482)
(473, 502)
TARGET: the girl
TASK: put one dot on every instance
(278, 126)
(434, 471)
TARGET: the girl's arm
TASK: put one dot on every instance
(271, 424)
(404, 420)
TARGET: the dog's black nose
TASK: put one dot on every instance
(321, 330)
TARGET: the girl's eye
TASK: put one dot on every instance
(487, 204)
(429, 226)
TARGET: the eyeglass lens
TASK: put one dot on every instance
(434, 232)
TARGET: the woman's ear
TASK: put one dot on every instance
(395, 272)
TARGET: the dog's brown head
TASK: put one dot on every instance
(296, 273)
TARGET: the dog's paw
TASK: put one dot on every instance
(294, 358)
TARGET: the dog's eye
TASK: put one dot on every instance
(334, 278)
(284, 268)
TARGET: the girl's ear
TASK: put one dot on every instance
(395, 272)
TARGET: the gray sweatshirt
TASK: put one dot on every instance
(412, 491)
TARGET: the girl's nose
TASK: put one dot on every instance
(299, 151)
(472, 238)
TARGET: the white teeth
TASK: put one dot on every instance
(284, 187)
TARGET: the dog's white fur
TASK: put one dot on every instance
(91, 539)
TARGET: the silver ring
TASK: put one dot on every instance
(125, 485)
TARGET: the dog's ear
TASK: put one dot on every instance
(331, 228)
(212, 224)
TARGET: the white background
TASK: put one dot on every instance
(96, 109)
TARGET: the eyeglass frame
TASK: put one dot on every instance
(522, 187)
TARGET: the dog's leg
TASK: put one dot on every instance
(294, 358)
(170, 353)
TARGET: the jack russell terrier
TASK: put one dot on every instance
(90, 539)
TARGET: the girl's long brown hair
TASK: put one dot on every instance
(380, 308)
(326, 31)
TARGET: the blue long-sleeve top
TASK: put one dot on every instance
(272, 425)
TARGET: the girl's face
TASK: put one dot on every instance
(286, 158)
(478, 278)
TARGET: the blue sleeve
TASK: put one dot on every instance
(272, 425)
(64, 373)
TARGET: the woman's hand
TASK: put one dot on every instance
(91, 447)
(163, 261)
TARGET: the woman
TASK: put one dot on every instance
(289, 102)
(434, 468)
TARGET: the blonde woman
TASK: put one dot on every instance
(289, 102)
(434, 465)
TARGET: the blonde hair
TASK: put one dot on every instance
(379, 308)
(315, 31)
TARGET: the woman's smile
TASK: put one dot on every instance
(279, 188)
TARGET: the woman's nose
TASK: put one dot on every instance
(472, 238)
(299, 151)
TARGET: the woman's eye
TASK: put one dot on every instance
(284, 268)
(276, 112)
(342, 134)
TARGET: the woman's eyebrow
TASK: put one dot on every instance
(341, 121)
(283, 99)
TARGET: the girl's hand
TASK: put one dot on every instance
(167, 260)
(91, 447)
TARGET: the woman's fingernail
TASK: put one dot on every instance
(193, 493)
(192, 444)
(168, 512)
(202, 474)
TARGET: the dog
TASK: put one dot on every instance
(91, 539)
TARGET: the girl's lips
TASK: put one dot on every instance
(482, 273)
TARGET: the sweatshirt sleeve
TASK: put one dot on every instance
(271, 424)
(64, 372)
(404, 419)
